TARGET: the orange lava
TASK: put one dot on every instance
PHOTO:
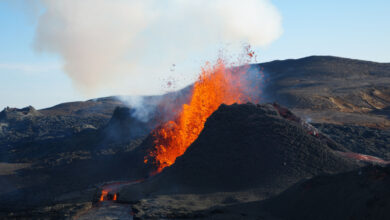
(104, 195)
(216, 85)
(115, 197)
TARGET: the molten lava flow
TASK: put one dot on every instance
(104, 195)
(216, 85)
(110, 190)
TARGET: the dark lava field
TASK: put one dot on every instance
(316, 147)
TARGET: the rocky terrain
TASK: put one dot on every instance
(54, 162)
(331, 89)
(360, 194)
(258, 150)
(29, 124)
(360, 139)
(48, 164)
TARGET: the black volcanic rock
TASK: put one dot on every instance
(360, 194)
(123, 125)
(18, 114)
(63, 120)
(100, 107)
(245, 147)
(360, 139)
(59, 167)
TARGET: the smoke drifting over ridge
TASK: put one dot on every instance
(131, 43)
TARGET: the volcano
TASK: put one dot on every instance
(61, 158)
(244, 147)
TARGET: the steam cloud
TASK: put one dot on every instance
(131, 43)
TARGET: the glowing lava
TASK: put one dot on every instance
(115, 197)
(104, 195)
(216, 85)
(110, 190)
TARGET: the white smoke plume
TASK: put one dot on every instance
(126, 46)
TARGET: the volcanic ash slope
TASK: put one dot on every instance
(244, 147)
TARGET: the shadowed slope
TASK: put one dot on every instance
(245, 147)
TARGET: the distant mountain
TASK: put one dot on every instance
(28, 124)
(331, 89)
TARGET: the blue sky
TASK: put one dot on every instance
(28, 77)
(354, 29)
